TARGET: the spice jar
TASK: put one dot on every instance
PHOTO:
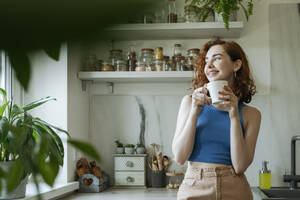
(172, 13)
(191, 13)
(177, 50)
(140, 66)
(115, 54)
(193, 52)
(121, 65)
(147, 57)
(107, 66)
(158, 53)
(158, 65)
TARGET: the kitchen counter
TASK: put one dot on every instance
(141, 194)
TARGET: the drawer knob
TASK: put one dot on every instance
(129, 179)
(129, 164)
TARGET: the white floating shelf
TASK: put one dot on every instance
(199, 30)
(143, 77)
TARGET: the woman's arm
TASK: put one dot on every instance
(183, 140)
(243, 148)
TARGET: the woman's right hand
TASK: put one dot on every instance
(200, 98)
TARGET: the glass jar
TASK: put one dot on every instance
(190, 63)
(90, 63)
(131, 61)
(107, 66)
(99, 65)
(115, 54)
(171, 66)
(177, 50)
(140, 66)
(191, 13)
(172, 13)
(158, 53)
(195, 52)
(158, 65)
(147, 55)
(121, 66)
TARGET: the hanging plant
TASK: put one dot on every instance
(226, 8)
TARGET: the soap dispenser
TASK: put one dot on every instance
(265, 176)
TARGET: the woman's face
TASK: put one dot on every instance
(218, 65)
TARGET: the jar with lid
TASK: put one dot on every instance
(115, 54)
(147, 57)
(191, 13)
(131, 61)
(183, 66)
(177, 50)
(172, 12)
(158, 65)
(193, 52)
(107, 66)
(190, 63)
(140, 66)
(158, 53)
(171, 66)
(90, 63)
(121, 65)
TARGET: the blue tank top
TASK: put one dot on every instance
(212, 139)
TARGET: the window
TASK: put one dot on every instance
(5, 74)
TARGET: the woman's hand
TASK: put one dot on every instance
(230, 102)
(200, 98)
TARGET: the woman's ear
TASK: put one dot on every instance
(237, 65)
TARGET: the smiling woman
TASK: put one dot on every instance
(218, 140)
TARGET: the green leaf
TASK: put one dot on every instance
(53, 51)
(50, 125)
(37, 103)
(14, 175)
(49, 171)
(85, 148)
(2, 108)
(21, 65)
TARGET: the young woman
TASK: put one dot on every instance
(218, 141)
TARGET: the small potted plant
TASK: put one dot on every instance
(120, 147)
(140, 149)
(129, 149)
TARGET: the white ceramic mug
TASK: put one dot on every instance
(214, 87)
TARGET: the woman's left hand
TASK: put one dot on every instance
(230, 101)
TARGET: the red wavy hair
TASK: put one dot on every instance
(244, 87)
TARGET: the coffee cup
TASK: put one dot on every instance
(214, 87)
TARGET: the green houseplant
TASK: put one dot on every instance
(226, 8)
(120, 147)
(140, 148)
(129, 149)
(29, 146)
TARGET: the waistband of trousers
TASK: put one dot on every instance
(214, 171)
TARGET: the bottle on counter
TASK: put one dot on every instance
(177, 50)
(265, 176)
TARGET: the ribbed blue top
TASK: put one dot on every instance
(212, 139)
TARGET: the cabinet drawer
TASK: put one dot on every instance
(130, 178)
(130, 163)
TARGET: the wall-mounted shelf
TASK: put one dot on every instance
(199, 30)
(135, 77)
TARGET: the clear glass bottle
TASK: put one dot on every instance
(172, 12)
(158, 65)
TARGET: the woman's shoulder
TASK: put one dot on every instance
(250, 113)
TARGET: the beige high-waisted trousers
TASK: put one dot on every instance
(205, 181)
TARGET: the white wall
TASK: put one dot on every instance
(49, 78)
